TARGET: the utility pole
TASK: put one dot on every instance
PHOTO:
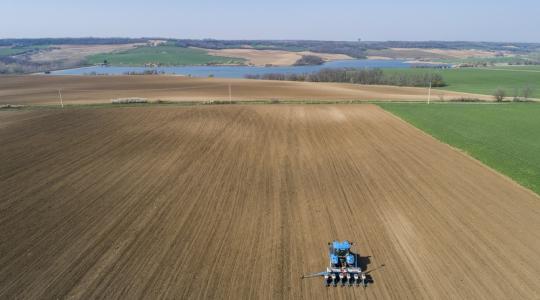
(429, 94)
(60, 95)
(230, 94)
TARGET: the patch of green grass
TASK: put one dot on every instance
(7, 51)
(10, 51)
(485, 80)
(505, 137)
(488, 60)
(517, 68)
(163, 55)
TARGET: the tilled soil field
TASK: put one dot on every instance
(37, 89)
(239, 201)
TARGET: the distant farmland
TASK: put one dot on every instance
(10, 51)
(163, 55)
(506, 137)
(36, 89)
(486, 80)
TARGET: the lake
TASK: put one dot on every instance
(236, 71)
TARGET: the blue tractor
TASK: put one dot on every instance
(340, 254)
(344, 268)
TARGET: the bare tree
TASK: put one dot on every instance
(515, 95)
(527, 91)
(441, 97)
(499, 94)
(359, 76)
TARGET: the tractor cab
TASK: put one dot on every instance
(340, 254)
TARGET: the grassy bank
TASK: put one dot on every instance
(163, 55)
(505, 137)
(485, 80)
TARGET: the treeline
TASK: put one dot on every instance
(431, 66)
(309, 60)
(360, 76)
(70, 41)
(33, 67)
(353, 49)
(524, 62)
(22, 63)
(492, 46)
(26, 67)
(519, 94)
(493, 62)
(145, 72)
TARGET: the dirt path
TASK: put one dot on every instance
(101, 89)
(238, 201)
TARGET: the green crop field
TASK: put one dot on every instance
(9, 51)
(505, 137)
(532, 68)
(485, 80)
(163, 55)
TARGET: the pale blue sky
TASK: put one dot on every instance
(476, 20)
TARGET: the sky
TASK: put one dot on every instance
(381, 20)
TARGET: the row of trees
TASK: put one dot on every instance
(524, 62)
(25, 67)
(517, 61)
(360, 76)
(69, 41)
(519, 94)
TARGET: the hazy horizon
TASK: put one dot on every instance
(345, 20)
(254, 39)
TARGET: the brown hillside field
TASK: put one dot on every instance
(273, 57)
(101, 89)
(237, 202)
(78, 52)
(423, 54)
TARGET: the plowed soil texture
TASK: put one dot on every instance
(38, 89)
(238, 202)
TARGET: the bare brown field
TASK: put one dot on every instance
(77, 52)
(101, 89)
(238, 202)
(273, 57)
(464, 53)
(420, 53)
